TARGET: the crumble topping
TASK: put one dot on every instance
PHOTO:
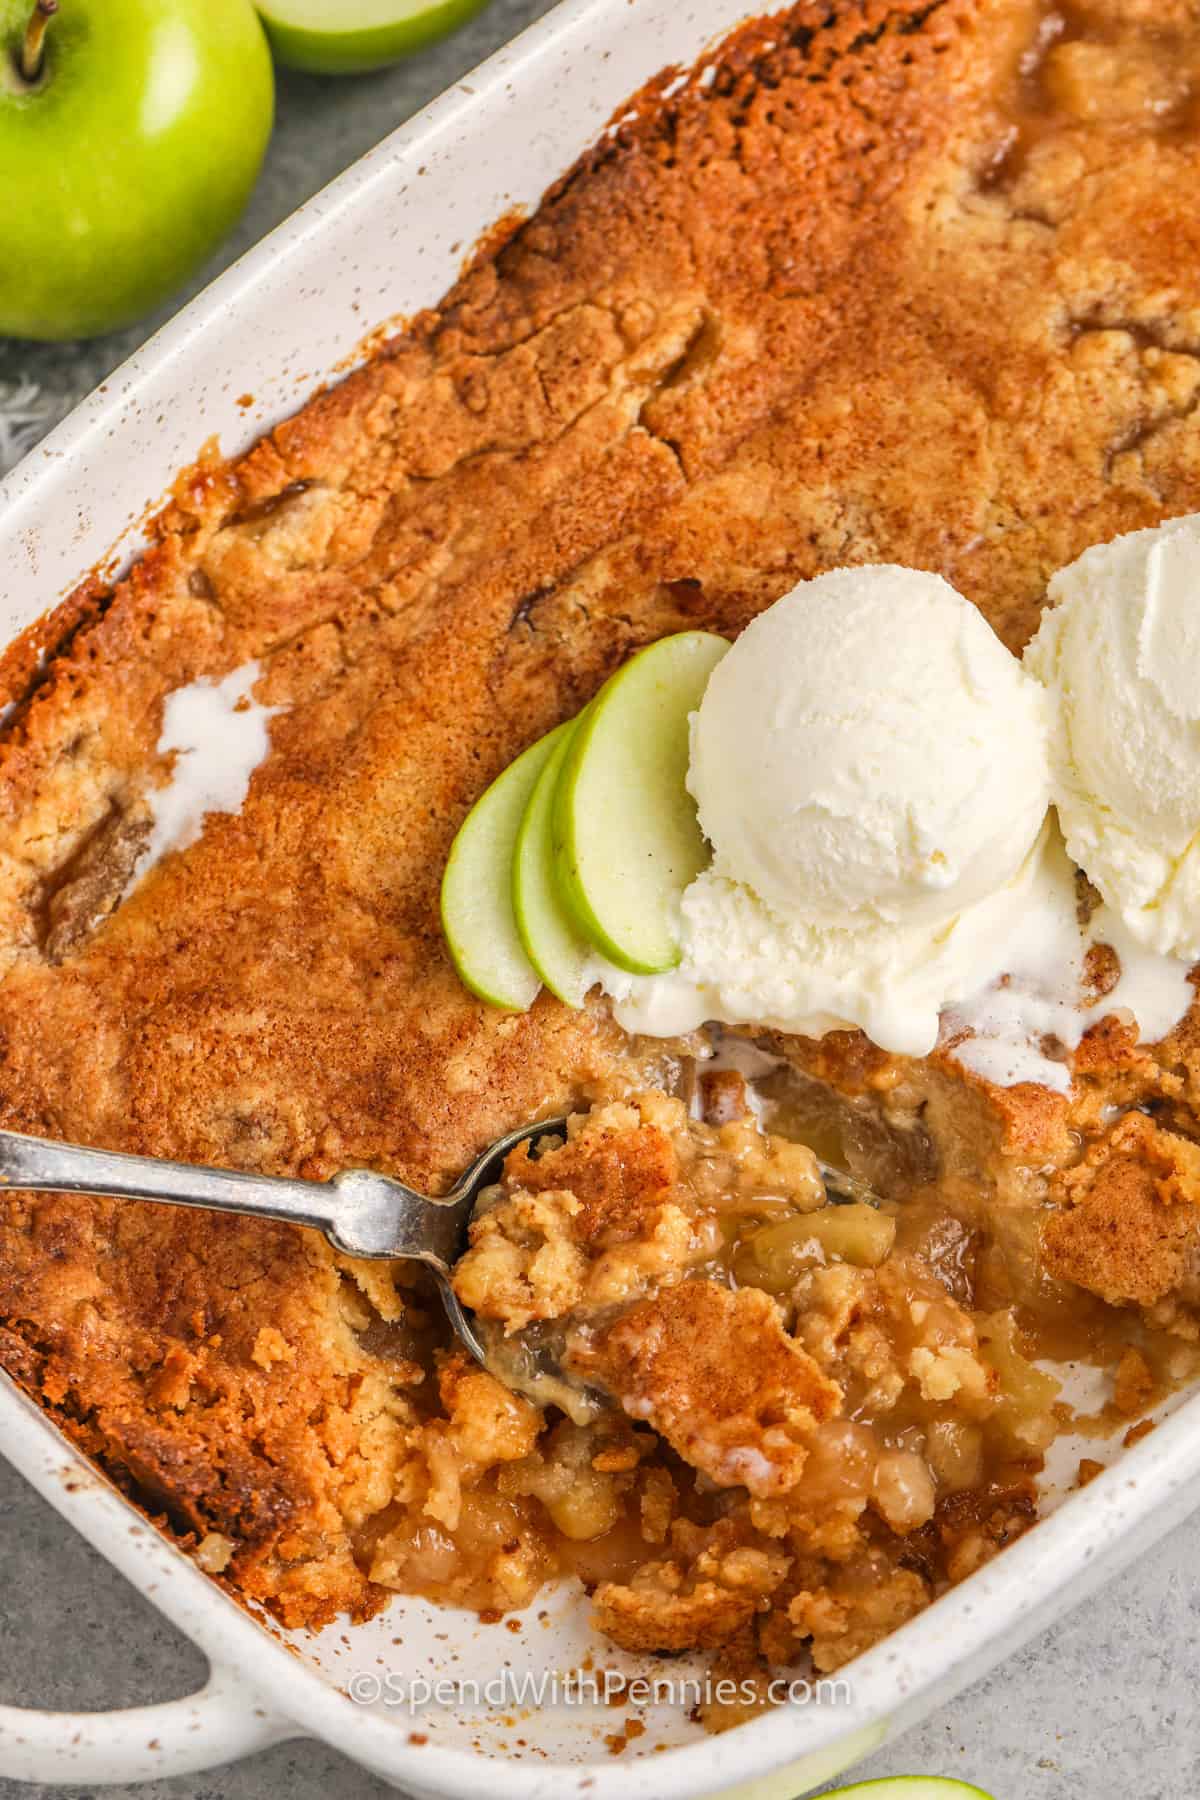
(824, 1392)
(717, 1376)
(1129, 1226)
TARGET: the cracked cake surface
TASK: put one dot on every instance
(902, 280)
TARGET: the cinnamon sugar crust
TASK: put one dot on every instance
(1129, 1230)
(720, 1379)
(906, 280)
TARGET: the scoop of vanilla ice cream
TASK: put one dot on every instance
(869, 752)
(874, 770)
(746, 964)
(1120, 654)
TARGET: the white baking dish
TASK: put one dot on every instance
(385, 239)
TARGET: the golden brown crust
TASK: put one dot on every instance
(716, 1375)
(620, 1177)
(888, 289)
(1130, 1227)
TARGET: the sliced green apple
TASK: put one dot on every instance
(352, 37)
(909, 1787)
(563, 957)
(477, 912)
(626, 838)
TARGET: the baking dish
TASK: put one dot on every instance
(389, 237)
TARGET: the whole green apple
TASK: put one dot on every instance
(131, 135)
(352, 37)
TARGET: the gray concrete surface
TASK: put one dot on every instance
(1102, 1707)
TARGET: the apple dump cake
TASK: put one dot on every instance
(889, 282)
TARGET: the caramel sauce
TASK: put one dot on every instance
(1087, 68)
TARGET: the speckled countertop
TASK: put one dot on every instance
(1103, 1707)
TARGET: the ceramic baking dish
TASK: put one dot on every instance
(388, 238)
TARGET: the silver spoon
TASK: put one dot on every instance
(361, 1212)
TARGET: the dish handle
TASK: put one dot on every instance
(220, 1723)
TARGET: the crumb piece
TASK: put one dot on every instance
(214, 1552)
(717, 1375)
(858, 1608)
(1130, 1227)
(1134, 1386)
(270, 1347)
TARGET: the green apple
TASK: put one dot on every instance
(558, 950)
(477, 910)
(131, 135)
(909, 1787)
(351, 37)
(626, 838)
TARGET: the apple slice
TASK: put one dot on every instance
(351, 37)
(477, 912)
(564, 958)
(626, 838)
(909, 1787)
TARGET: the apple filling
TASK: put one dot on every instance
(813, 1415)
(813, 1424)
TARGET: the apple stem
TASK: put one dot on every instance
(33, 48)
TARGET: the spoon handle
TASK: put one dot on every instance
(45, 1166)
(360, 1212)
